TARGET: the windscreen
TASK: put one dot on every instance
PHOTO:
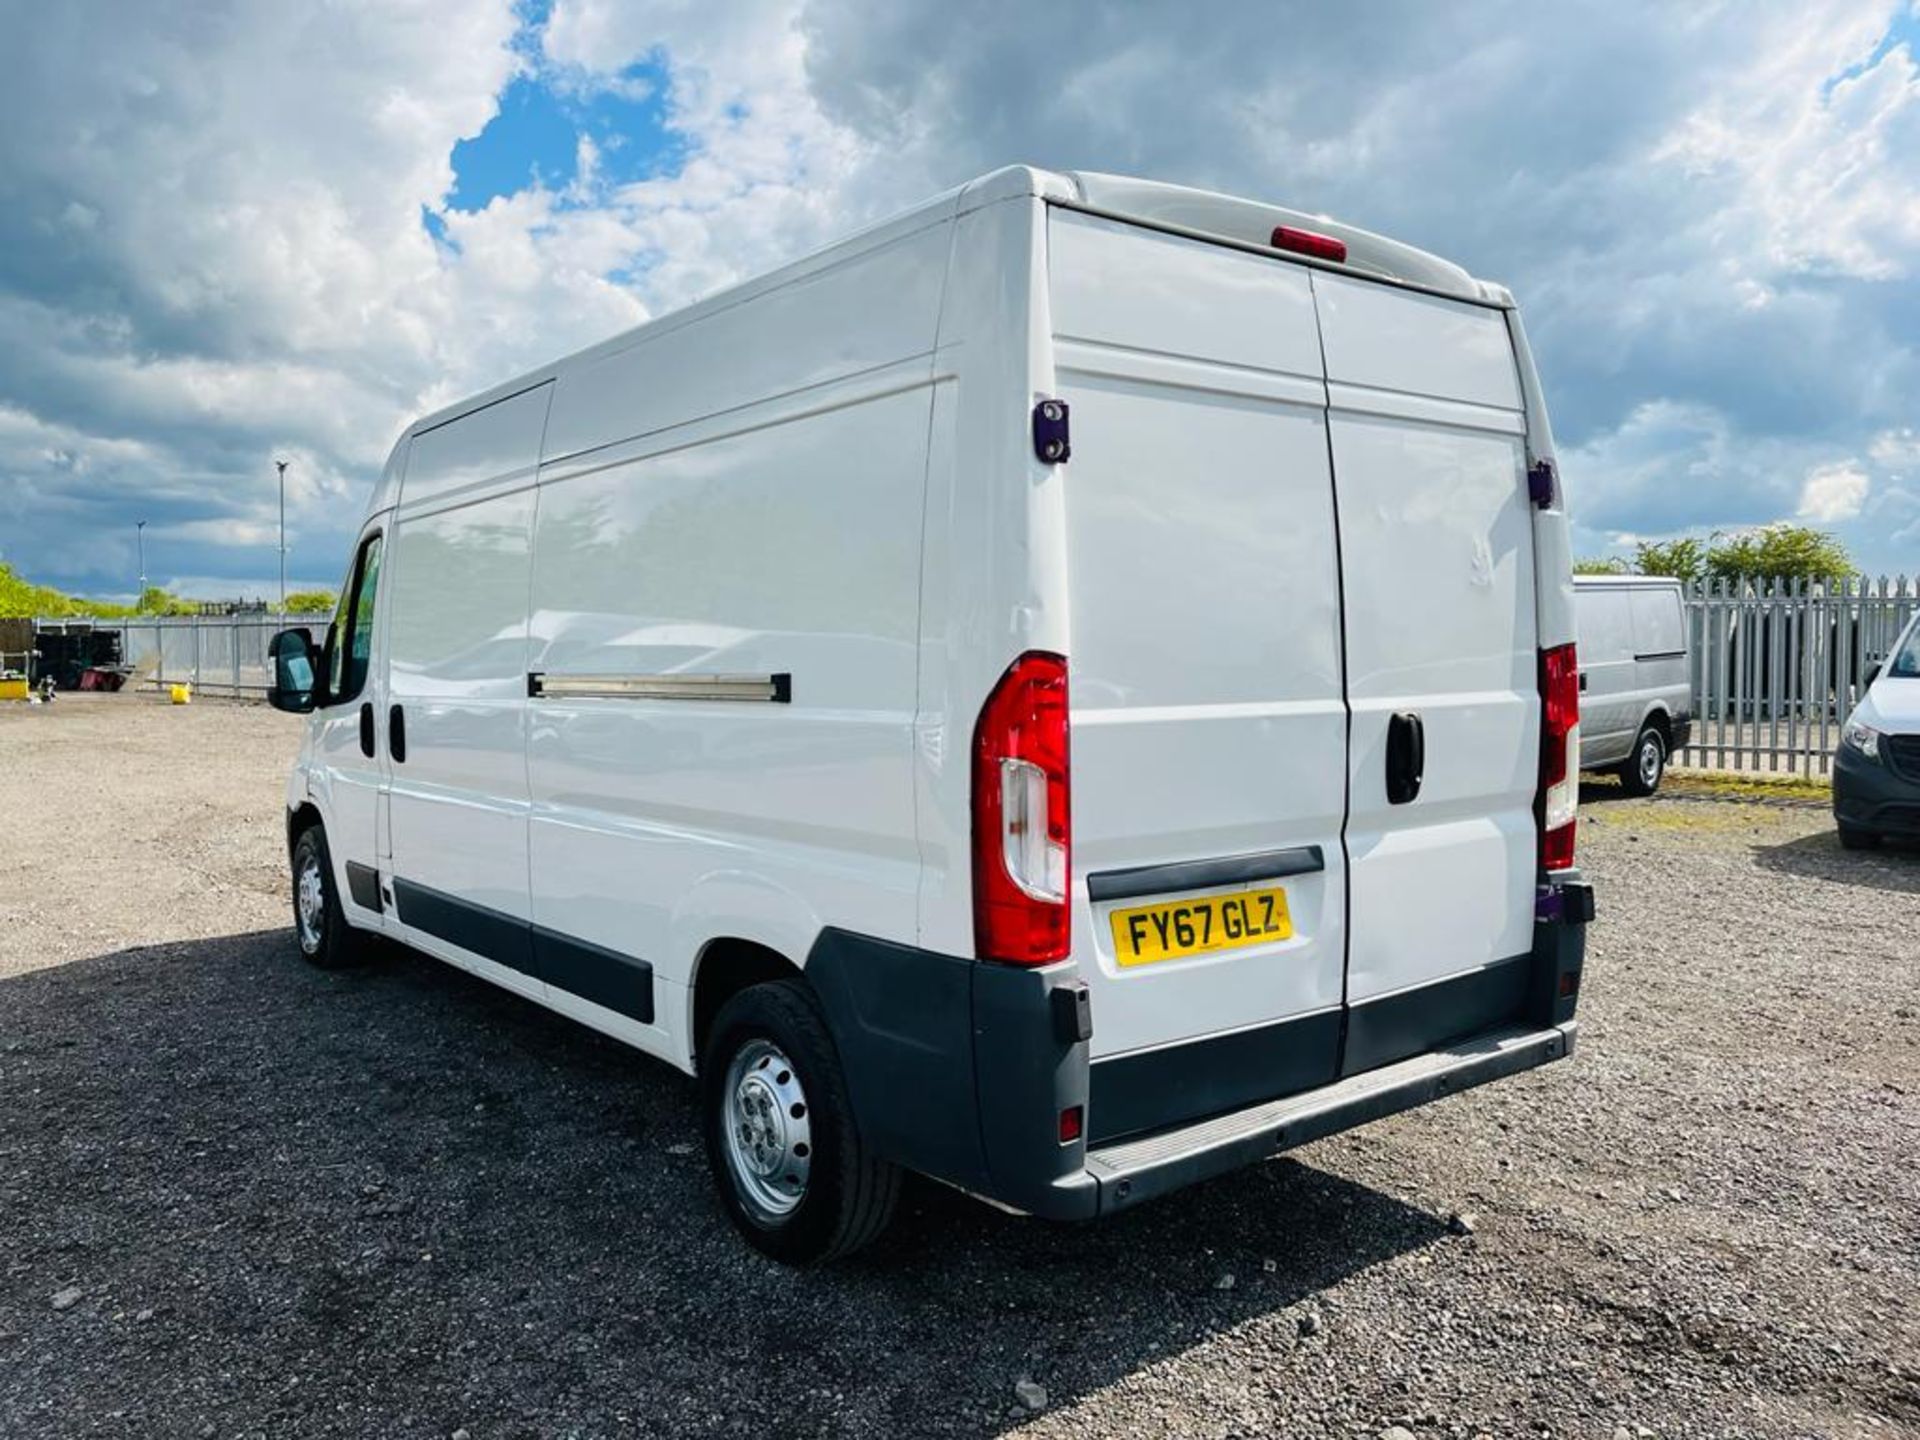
(1905, 664)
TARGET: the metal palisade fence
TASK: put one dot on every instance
(1777, 666)
(221, 654)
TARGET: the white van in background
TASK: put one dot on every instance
(955, 695)
(1636, 687)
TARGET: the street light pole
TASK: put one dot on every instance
(140, 535)
(283, 535)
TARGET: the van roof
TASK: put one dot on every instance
(1603, 582)
(1248, 224)
(1252, 222)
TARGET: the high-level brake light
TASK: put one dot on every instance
(1021, 828)
(1309, 242)
(1559, 755)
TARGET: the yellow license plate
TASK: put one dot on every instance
(1176, 928)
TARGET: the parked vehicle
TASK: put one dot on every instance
(1636, 700)
(955, 695)
(1876, 768)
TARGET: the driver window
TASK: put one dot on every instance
(351, 637)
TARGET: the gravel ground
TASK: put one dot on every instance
(240, 1197)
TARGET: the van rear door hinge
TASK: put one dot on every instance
(1050, 441)
(1540, 484)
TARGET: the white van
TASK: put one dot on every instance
(1876, 766)
(1069, 691)
(1636, 690)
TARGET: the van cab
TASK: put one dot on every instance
(1636, 691)
(954, 696)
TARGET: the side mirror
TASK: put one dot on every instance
(295, 670)
(1873, 674)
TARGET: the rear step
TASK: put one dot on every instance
(1137, 1170)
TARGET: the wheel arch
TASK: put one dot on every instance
(725, 966)
(300, 819)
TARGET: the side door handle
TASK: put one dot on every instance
(1406, 756)
(397, 734)
(366, 728)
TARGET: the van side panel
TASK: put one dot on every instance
(456, 667)
(778, 538)
(495, 442)
(995, 549)
(1659, 627)
(1437, 551)
(1609, 706)
(873, 309)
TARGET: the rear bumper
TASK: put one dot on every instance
(961, 1070)
(1871, 795)
(1130, 1172)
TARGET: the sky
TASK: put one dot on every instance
(233, 233)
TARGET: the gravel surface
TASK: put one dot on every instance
(241, 1197)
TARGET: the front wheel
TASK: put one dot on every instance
(794, 1174)
(1644, 770)
(1852, 837)
(325, 939)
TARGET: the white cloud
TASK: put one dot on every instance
(1897, 449)
(1832, 493)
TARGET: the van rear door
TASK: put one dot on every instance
(1604, 617)
(1429, 459)
(1209, 729)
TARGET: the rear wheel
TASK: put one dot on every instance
(1647, 766)
(325, 938)
(794, 1174)
(1852, 837)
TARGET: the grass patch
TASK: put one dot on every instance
(1759, 788)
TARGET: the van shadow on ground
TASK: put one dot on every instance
(399, 1201)
(1894, 865)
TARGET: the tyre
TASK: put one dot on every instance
(1647, 766)
(794, 1174)
(325, 938)
(1852, 837)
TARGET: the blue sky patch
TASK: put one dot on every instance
(1905, 30)
(535, 136)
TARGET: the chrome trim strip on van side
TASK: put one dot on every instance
(1199, 874)
(777, 689)
(1661, 655)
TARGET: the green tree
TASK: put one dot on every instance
(1682, 559)
(1779, 552)
(20, 597)
(311, 602)
(155, 601)
(1600, 565)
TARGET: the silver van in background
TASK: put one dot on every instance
(1636, 701)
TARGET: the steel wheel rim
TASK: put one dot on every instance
(310, 901)
(1649, 760)
(767, 1130)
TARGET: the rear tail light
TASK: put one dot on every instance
(1021, 827)
(1559, 755)
(1309, 242)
